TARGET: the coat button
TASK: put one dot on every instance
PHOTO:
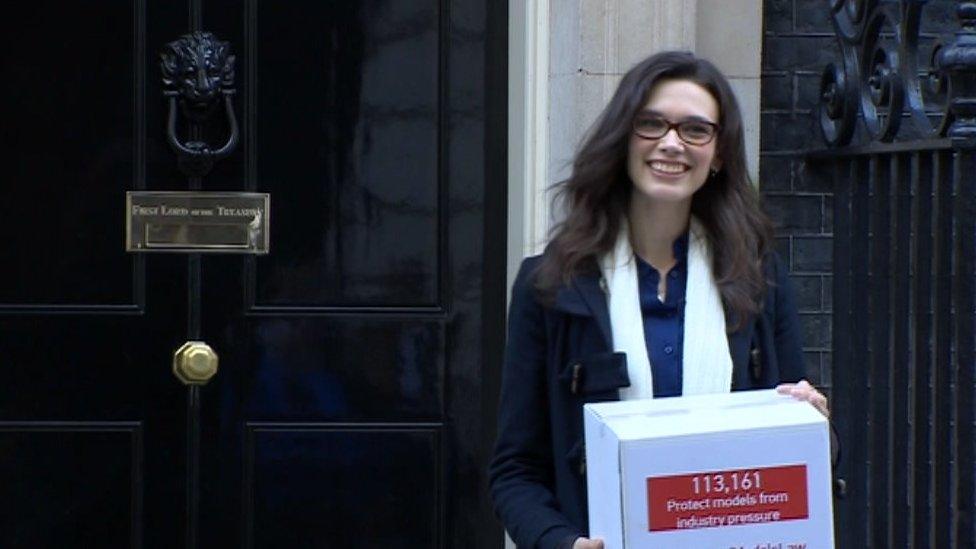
(668, 349)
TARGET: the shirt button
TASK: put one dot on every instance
(668, 349)
(674, 273)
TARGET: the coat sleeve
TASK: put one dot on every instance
(521, 471)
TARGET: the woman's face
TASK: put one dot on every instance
(668, 169)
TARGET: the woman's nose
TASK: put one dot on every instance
(670, 140)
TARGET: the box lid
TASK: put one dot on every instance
(701, 414)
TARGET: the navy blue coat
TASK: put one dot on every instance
(559, 357)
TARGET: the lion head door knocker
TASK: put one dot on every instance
(198, 75)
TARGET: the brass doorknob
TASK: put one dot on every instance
(194, 363)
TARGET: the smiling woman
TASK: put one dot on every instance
(661, 281)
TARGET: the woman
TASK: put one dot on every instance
(660, 281)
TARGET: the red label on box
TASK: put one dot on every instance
(727, 498)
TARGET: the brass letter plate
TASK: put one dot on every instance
(194, 222)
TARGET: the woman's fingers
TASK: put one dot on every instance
(804, 391)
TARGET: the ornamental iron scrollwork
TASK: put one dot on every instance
(198, 77)
(838, 104)
(957, 65)
(883, 85)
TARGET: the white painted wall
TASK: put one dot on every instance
(730, 35)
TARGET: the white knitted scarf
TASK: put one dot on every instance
(706, 362)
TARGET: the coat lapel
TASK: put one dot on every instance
(739, 346)
(586, 298)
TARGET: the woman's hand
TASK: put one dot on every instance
(804, 391)
(587, 543)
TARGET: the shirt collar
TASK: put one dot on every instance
(680, 250)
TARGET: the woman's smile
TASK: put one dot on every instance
(668, 168)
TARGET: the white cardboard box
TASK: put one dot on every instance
(747, 470)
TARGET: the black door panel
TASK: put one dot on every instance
(354, 398)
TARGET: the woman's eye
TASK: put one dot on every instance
(652, 124)
(698, 129)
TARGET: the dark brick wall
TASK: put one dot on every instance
(798, 41)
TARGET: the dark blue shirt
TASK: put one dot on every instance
(664, 322)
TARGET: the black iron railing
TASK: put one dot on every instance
(900, 130)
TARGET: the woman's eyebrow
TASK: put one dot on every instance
(694, 117)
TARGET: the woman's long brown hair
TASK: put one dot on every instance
(596, 195)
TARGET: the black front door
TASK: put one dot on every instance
(354, 400)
